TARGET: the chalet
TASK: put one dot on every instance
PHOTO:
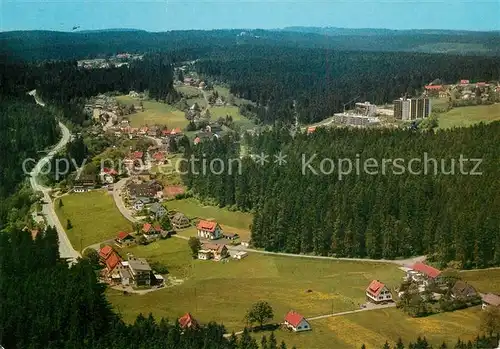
(110, 259)
(462, 290)
(105, 252)
(140, 271)
(209, 230)
(150, 229)
(140, 203)
(423, 274)
(296, 322)
(124, 238)
(218, 251)
(231, 236)
(180, 221)
(84, 183)
(205, 255)
(157, 210)
(187, 321)
(377, 292)
(144, 190)
(490, 300)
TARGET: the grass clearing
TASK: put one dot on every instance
(193, 208)
(373, 328)
(189, 91)
(224, 291)
(484, 280)
(238, 119)
(94, 217)
(155, 113)
(468, 116)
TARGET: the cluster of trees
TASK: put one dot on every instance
(484, 342)
(26, 129)
(322, 82)
(421, 208)
(66, 307)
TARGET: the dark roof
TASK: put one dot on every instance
(463, 290)
(155, 207)
(180, 217)
(142, 190)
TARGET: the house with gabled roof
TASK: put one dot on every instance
(104, 252)
(124, 238)
(490, 300)
(217, 251)
(188, 321)
(180, 221)
(209, 230)
(377, 292)
(157, 210)
(422, 273)
(296, 322)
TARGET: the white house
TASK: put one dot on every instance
(296, 322)
(209, 230)
(204, 255)
(240, 255)
(138, 205)
(377, 292)
(423, 274)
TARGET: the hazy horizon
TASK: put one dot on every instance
(167, 15)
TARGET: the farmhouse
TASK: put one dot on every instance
(377, 292)
(180, 221)
(157, 210)
(105, 252)
(490, 300)
(139, 203)
(209, 230)
(296, 322)
(187, 321)
(110, 259)
(217, 251)
(152, 232)
(146, 190)
(84, 184)
(124, 238)
(462, 290)
(423, 274)
(205, 255)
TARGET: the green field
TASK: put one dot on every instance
(94, 217)
(224, 291)
(484, 280)
(238, 119)
(467, 116)
(155, 113)
(231, 222)
(373, 328)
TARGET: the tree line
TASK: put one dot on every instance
(300, 209)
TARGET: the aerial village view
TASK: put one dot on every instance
(205, 196)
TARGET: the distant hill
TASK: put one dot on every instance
(46, 45)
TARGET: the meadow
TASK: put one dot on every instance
(468, 116)
(231, 222)
(155, 113)
(224, 291)
(93, 215)
(238, 119)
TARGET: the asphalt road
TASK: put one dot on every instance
(66, 250)
(117, 189)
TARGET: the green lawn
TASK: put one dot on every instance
(94, 217)
(190, 91)
(467, 116)
(224, 291)
(231, 222)
(155, 113)
(373, 328)
(485, 280)
(238, 119)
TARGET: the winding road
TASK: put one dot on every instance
(66, 250)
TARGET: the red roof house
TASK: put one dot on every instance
(377, 292)
(110, 171)
(149, 228)
(197, 140)
(209, 230)
(296, 322)
(464, 82)
(159, 156)
(105, 252)
(112, 261)
(426, 270)
(165, 132)
(433, 87)
(311, 129)
(137, 155)
(188, 321)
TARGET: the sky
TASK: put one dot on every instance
(163, 15)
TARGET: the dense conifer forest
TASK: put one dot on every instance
(449, 217)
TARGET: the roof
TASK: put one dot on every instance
(426, 270)
(105, 251)
(139, 264)
(433, 87)
(122, 235)
(125, 274)
(197, 140)
(155, 207)
(112, 261)
(375, 288)
(176, 131)
(294, 318)
(213, 247)
(464, 81)
(146, 227)
(206, 225)
(137, 154)
(463, 289)
(491, 299)
(158, 156)
(110, 171)
(187, 321)
(179, 217)
(311, 129)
